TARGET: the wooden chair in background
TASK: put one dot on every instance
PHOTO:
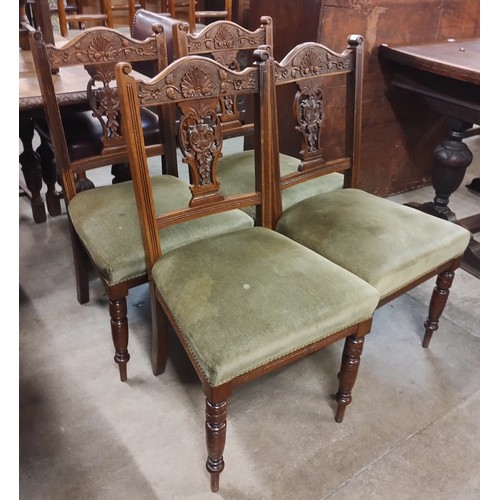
(246, 302)
(197, 14)
(73, 13)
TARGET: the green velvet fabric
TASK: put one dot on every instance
(236, 175)
(248, 297)
(386, 244)
(106, 220)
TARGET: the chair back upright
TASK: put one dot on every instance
(195, 85)
(96, 51)
(327, 110)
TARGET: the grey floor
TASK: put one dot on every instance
(412, 431)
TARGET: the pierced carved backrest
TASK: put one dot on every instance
(194, 84)
(326, 108)
(232, 46)
(96, 51)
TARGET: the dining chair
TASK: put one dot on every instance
(246, 302)
(391, 246)
(103, 222)
(129, 6)
(73, 13)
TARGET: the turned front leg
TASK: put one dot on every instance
(438, 302)
(351, 355)
(215, 426)
(119, 330)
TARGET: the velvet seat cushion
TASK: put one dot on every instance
(236, 174)
(84, 132)
(386, 244)
(107, 222)
(245, 298)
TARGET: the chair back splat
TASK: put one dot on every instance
(249, 301)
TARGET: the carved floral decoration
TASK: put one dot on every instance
(310, 114)
(103, 100)
(103, 48)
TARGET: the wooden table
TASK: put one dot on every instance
(70, 85)
(447, 74)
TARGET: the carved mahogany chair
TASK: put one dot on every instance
(103, 221)
(391, 246)
(246, 302)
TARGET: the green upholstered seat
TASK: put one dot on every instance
(278, 297)
(386, 244)
(236, 174)
(106, 220)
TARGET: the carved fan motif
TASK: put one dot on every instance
(196, 83)
(102, 49)
(225, 39)
(311, 64)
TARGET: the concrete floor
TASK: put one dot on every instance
(411, 432)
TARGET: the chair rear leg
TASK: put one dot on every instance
(119, 330)
(80, 261)
(438, 302)
(159, 340)
(215, 426)
(353, 347)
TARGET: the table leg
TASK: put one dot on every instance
(450, 161)
(31, 168)
(49, 175)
